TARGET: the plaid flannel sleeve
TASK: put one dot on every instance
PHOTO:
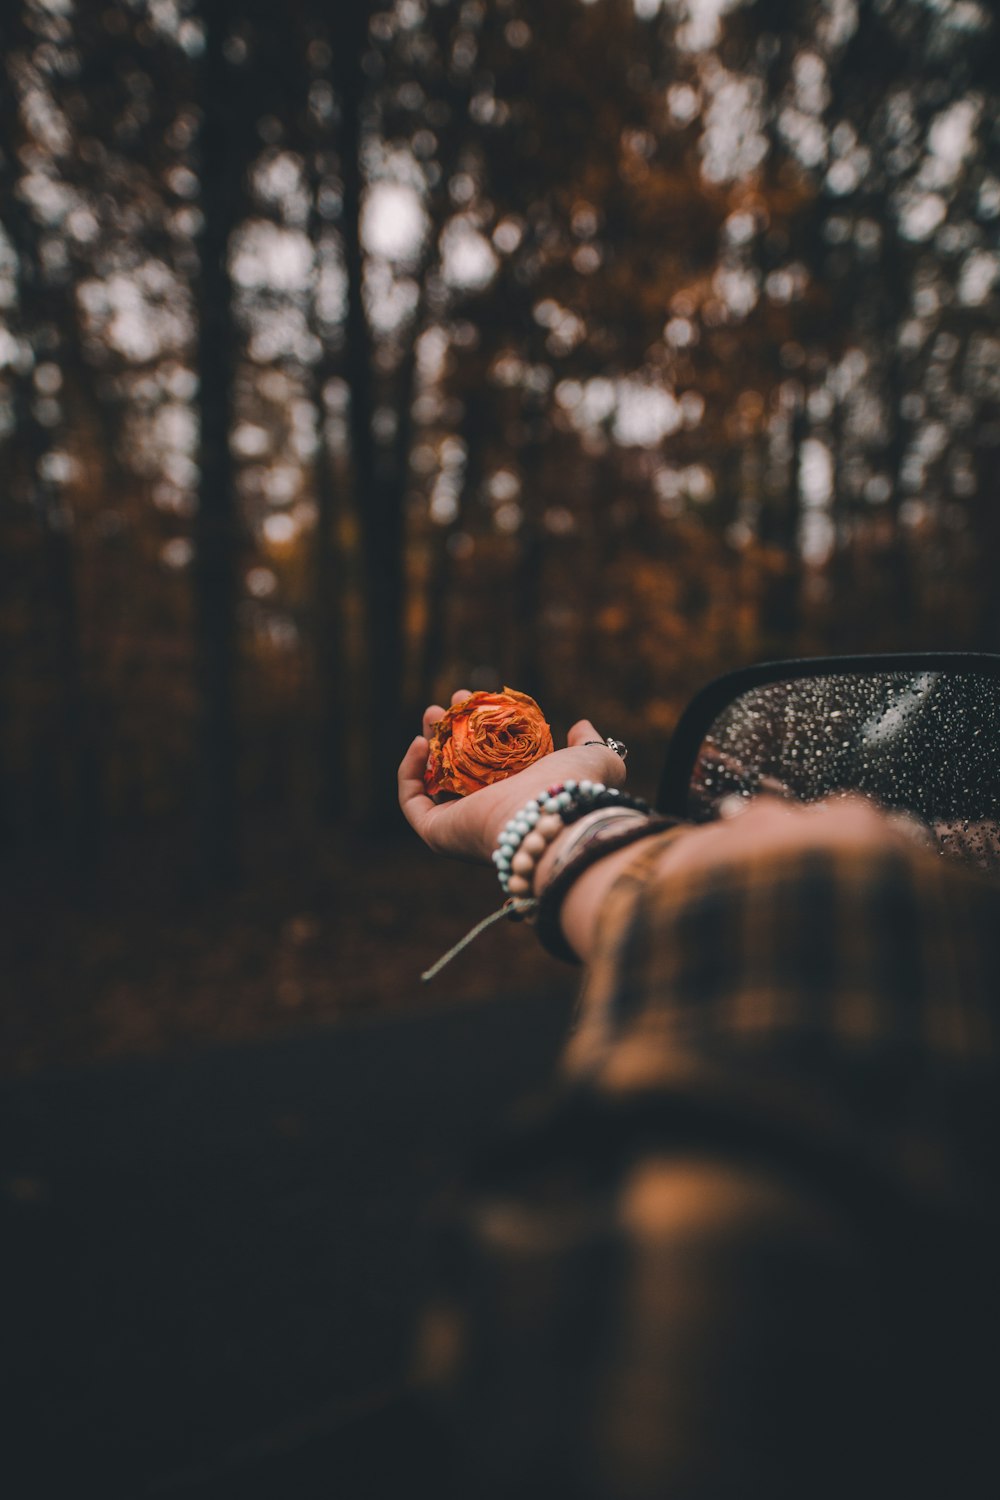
(815, 1034)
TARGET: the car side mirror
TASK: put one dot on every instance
(917, 732)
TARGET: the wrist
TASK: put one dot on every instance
(570, 903)
(589, 831)
(525, 837)
(507, 813)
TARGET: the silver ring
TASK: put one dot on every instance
(612, 744)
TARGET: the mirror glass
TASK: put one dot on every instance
(926, 743)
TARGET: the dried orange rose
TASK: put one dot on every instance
(485, 739)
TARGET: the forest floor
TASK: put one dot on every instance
(133, 957)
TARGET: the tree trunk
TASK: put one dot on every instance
(844, 618)
(378, 491)
(332, 666)
(527, 675)
(330, 564)
(69, 780)
(439, 584)
(216, 527)
(902, 592)
(988, 498)
(780, 527)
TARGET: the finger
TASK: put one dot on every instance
(460, 696)
(413, 799)
(609, 766)
(431, 717)
(582, 731)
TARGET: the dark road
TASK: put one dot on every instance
(212, 1261)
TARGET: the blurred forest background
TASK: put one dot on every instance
(351, 352)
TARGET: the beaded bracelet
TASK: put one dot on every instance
(525, 837)
(562, 805)
(547, 914)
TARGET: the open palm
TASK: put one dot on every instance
(467, 828)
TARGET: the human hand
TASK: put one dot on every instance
(759, 827)
(719, 774)
(468, 827)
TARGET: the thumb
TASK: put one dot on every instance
(582, 731)
(608, 766)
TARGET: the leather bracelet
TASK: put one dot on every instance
(549, 910)
(594, 827)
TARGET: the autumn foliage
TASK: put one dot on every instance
(352, 353)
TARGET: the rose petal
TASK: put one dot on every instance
(483, 740)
